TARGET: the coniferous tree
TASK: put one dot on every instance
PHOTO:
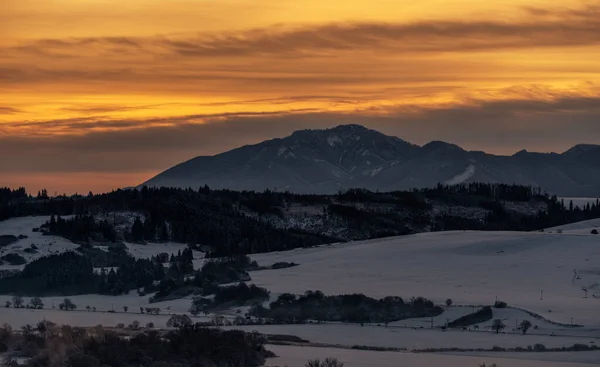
(137, 230)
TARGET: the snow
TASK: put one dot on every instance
(46, 245)
(587, 225)
(472, 268)
(293, 356)
(103, 304)
(373, 172)
(403, 338)
(49, 245)
(462, 177)
(152, 249)
(333, 140)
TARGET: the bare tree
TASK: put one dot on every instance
(498, 325)
(67, 305)
(36, 302)
(17, 302)
(525, 325)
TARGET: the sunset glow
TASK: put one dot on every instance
(103, 94)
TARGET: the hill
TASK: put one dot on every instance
(225, 223)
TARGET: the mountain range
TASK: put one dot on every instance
(352, 156)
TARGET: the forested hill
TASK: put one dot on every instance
(231, 222)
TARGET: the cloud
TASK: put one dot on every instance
(563, 27)
(501, 127)
(5, 110)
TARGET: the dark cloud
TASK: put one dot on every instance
(500, 127)
(78, 125)
(99, 109)
(5, 110)
(543, 28)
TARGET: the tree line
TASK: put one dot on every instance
(355, 308)
(218, 220)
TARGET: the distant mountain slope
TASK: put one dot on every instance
(349, 156)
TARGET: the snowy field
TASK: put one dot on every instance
(46, 245)
(583, 228)
(539, 271)
(49, 245)
(392, 337)
(297, 357)
(542, 272)
(20, 317)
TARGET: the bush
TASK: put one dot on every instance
(283, 265)
(14, 259)
(234, 295)
(67, 305)
(357, 308)
(17, 302)
(36, 302)
(498, 325)
(178, 321)
(539, 348)
(594, 231)
(6, 240)
(328, 362)
(500, 304)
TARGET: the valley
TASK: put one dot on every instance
(472, 268)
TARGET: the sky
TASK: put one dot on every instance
(101, 94)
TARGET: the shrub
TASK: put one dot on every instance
(539, 348)
(178, 321)
(500, 304)
(525, 326)
(328, 362)
(356, 308)
(36, 302)
(235, 295)
(498, 325)
(67, 305)
(14, 259)
(17, 302)
(594, 231)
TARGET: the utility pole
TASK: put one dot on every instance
(541, 295)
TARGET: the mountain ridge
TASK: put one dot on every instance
(350, 156)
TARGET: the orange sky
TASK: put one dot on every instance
(99, 94)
